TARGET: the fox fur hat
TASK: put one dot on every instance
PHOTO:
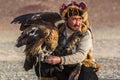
(72, 9)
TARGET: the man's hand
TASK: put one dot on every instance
(53, 59)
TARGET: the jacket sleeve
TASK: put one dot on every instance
(83, 47)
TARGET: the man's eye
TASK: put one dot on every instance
(76, 18)
(73, 18)
(80, 18)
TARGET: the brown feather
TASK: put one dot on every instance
(49, 35)
(38, 32)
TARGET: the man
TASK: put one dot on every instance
(75, 41)
(74, 44)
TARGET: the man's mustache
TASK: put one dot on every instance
(76, 25)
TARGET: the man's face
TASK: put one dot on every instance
(75, 22)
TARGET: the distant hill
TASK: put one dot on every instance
(101, 12)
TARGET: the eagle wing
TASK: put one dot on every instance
(36, 18)
(39, 33)
(33, 20)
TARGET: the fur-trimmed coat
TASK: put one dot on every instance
(76, 47)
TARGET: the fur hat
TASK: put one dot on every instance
(73, 8)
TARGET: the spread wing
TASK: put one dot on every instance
(38, 33)
(36, 19)
(30, 26)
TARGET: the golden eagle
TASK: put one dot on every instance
(39, 35)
